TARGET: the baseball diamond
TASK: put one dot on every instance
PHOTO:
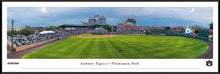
(132, 46)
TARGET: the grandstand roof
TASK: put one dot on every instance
(45, 32)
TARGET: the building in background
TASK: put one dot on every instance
(92, 21)
(129, 27)
(178, 29)
(15, 27)
(130, 21)
(37, 29)
(27, 27)
(84, 23)
(97, 19)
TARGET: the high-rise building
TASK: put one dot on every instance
(130, 21)
(97, 19)
(15, 27)
(92, 21)
(178, 29)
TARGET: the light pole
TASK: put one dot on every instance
(171, 16)
(112, 30)
(44, 28)
(192, 15)
(12, 49)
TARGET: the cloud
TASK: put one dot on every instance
(54, 14)
(143, 15)
(201, 16)
(112, 19)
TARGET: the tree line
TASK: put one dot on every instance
(29, 31)
(22, 32)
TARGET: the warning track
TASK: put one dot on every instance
(209, 53)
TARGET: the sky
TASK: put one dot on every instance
(145, 16)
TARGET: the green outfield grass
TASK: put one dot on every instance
(133, 47)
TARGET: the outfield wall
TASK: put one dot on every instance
(33, 45)
(9, 47)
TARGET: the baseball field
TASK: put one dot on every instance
(131, 46)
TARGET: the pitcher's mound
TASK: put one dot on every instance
(91, 36)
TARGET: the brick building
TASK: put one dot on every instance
(178, 29)
(133, 29)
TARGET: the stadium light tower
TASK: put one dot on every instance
(192, 11)
(112, 31)
(44, 27)
(171, 16)
(43, 9)
(12, 43)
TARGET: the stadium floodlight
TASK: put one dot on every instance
(43, 9)
(171, 16)
(192, 10)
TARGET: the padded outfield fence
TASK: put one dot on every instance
(202, 34)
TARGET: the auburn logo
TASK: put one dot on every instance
(209, 63)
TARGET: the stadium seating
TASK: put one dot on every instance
(21, 40)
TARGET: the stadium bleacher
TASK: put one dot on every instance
(21, 40)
